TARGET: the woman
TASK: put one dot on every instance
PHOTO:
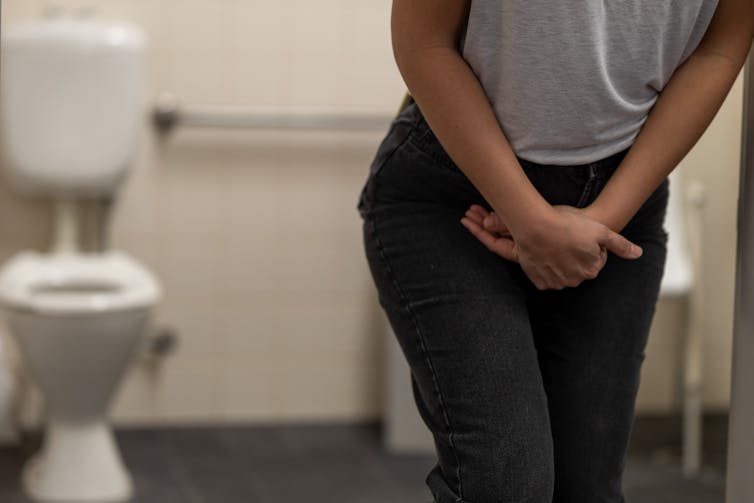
(539, 138)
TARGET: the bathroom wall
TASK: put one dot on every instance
(255, 235)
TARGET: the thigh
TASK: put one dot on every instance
(591, 341)
(459, 314)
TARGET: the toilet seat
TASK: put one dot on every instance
(75, 283)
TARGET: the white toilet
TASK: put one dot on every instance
(71, 110)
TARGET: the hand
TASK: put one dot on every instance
(490, 221)
(572, 249)
(488, 228)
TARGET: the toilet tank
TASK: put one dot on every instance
(72, 100)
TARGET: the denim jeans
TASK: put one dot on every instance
(529, 394)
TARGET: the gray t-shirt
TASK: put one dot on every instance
(572, 81)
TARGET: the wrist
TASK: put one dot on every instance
(533, 223)
(598, 213)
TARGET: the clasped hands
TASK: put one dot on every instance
(570, 248)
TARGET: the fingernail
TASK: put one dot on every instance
(488, 221)
(636, 251)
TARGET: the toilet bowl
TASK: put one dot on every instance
(77, 319)
(71, 104)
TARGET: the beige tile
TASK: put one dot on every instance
(197, 24)
(200, 75)
(250, 263)
(319, 198)
(307, 264)
(197, 326)
(191, 265)
(145, 248)
(378, 85)
(317, 263)
(250, 201)
(368, 25)
(250, 394)
(251, 332)
(258, 77)
(136, 211)
(333, 393)
(190, 206)
(315, 78)
(170, 393)
(260, 26)
(325, 324)
(217, 215)
(317, 26)
(25, 221)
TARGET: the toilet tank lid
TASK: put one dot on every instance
(85, 33)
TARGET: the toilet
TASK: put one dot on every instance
(71, 107)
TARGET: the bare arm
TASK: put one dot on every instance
(425, 36)
(682, 112)
(555, 248)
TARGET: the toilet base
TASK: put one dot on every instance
(77, 463)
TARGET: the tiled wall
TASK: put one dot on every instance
(255, 235)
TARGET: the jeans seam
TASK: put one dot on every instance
(425, 145)
(435, 158)
(387, 158)
(422, 345)
(590, 183)
(365, 197)
(586, 193)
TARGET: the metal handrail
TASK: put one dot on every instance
(169, 113)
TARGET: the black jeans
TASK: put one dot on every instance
(529, 394)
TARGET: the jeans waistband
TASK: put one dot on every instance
(424, 136)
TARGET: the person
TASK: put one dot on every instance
(513, 223)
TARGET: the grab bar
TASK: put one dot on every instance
(169, 113)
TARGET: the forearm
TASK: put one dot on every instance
(681, 114)
(459, 113)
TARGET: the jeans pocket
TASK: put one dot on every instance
(426, 141)
(400, 129)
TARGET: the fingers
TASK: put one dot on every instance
(621, 246)
(502, 246)
(549, 278)
(488, 220)
(492, 222)
(477, 214)
(479, 209)
(592, 271)
(544, 277)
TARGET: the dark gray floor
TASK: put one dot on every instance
(345, 464)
